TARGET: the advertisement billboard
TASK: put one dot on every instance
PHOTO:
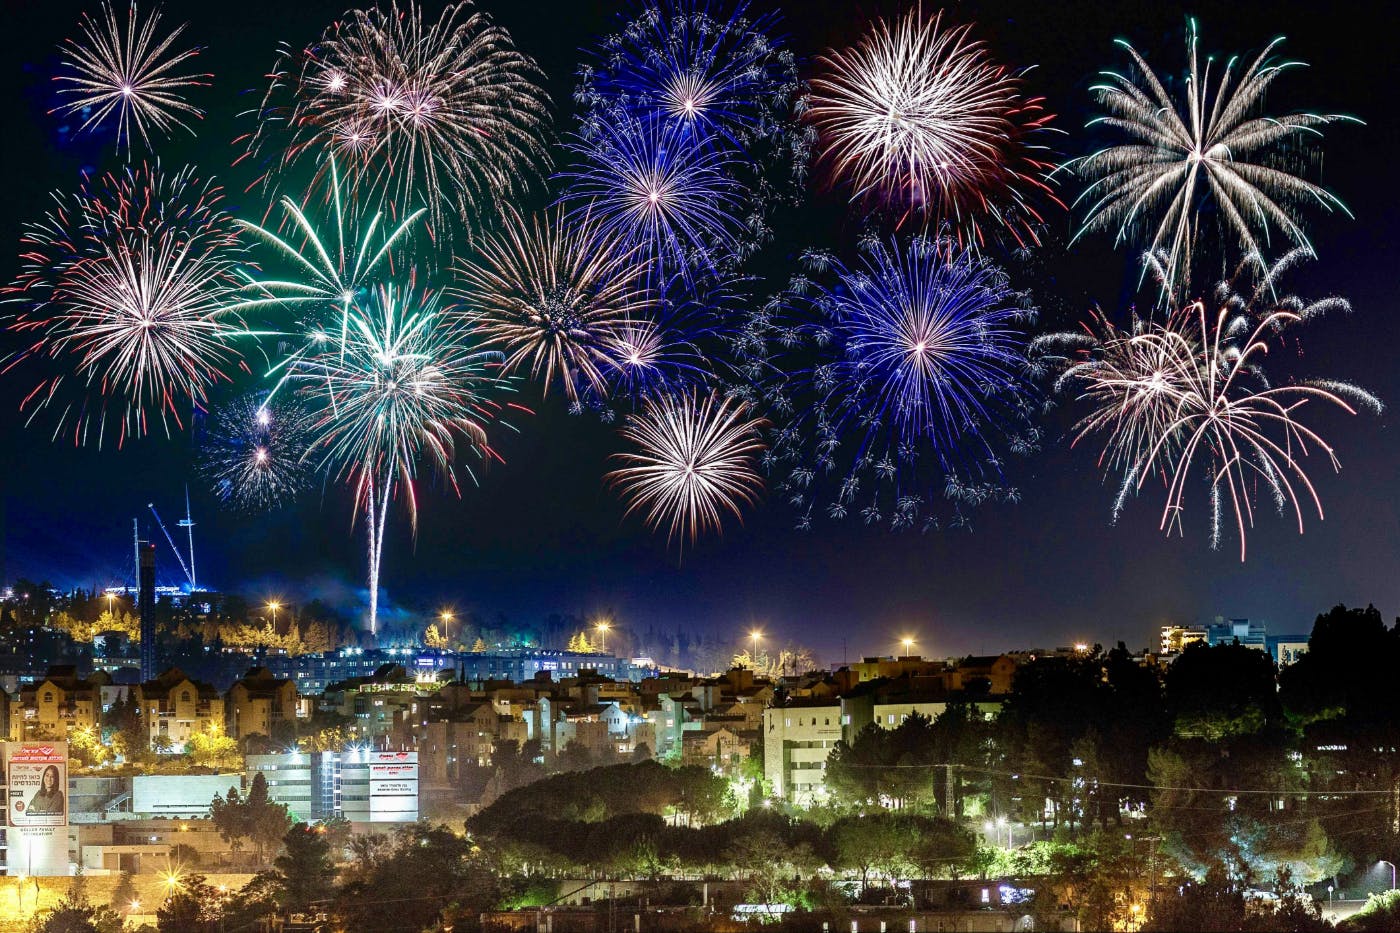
(36, 807)
(37, 774)
(393, 787)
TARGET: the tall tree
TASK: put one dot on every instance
(305, 872)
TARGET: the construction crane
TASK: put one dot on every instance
(188, 524)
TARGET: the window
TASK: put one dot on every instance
(184, 696)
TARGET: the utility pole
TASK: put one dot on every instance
(949, 795)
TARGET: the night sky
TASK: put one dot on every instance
(542, 535)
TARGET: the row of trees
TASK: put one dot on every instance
(1241, 767)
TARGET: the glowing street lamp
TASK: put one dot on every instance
(274, 606)
(602, 628)
(908, 644)
(754, 636)
(446, 617)
(172, 881)
(1392, 872)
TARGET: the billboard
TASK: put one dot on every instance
(393, 787)
(37, 774)
(36, 807)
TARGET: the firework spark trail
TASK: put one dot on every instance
(445, 113)
(254, 450)
(406, 387)
(696, 460)
(129, 72)
(1189, 396)
(125, 299)
(919, 117)
(1217, 146)
(327, 272)
(556, 296)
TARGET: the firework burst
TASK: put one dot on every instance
(916, 361)
(405, 388)
(918, 117)
(125, 293)
(1187, 397)
(445, 113)
(129, 74)
(1215, 149)
(723, 76)
(254, 450)
(646, 358)
(328, 271)
(696, 461)
(556, 297)
(644, 183)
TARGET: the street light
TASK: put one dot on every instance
(754, 636)
(172, 880)
(1392, 872)
(602, 628)
(446, 617)
(274, 606)
(908, 644)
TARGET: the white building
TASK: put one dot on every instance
(359, 785)
(796, 742)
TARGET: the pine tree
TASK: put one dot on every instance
(305, 871)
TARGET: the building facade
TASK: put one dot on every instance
(360, 785)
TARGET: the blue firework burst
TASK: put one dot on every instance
(929, 342)
(721, 76)
(644, 182)
(903, 381)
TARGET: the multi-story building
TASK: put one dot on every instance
(261, 704)
(722, 749)
(313, 673)
(175, 707)
(386, 706)
(447, 751)
(1176, 638)
(1284, 649)
(57, 704)
(360, 785)
(989, 674)
(520, 665)
(797, 738)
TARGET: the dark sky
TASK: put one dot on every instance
(542, 535)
